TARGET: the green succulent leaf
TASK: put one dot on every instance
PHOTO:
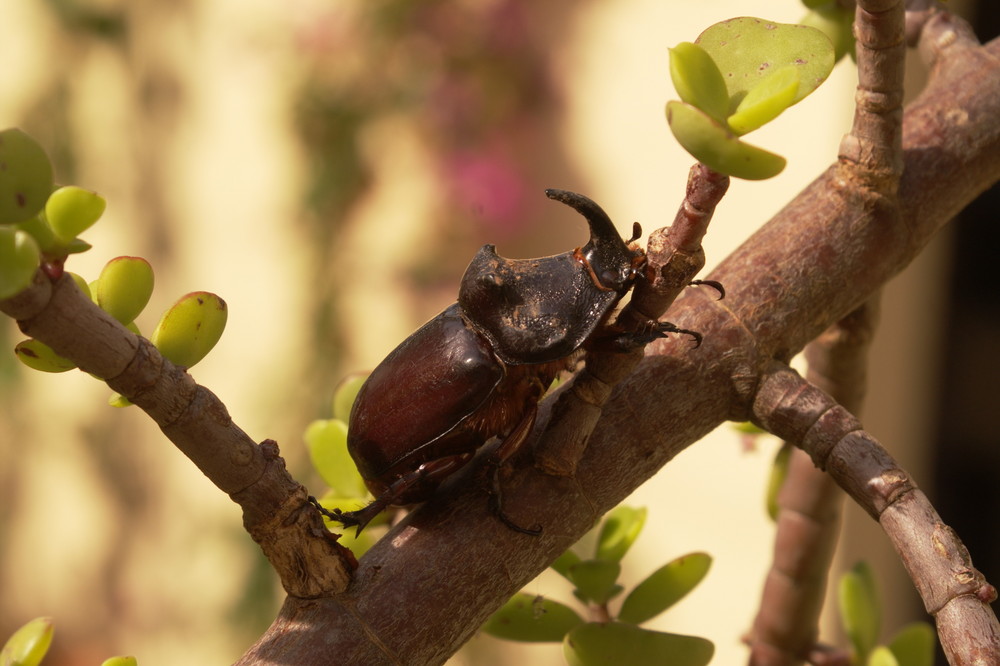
(860, 610)
(72, 210)
(27, 646)
(120, 661)
(326, 441)
(39, 356)
(76, 246)
(191, 328)
(595, 580)
(766, 100)
(615, 643)
(19, 259)
(41, 232)
(25, 177)
(564, 563)
(748, 428)
(913, 645)
(118, 400)
(532, 619)
(698, 80)
(81, 284)
(882, 656)
(619, 531)
(345, 394)
(124, 287)
(747, 49)
(776, 480)
(712, 144)
(834, 21)
(664, 587)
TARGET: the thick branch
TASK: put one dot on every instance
(816, 261)
(275, 512)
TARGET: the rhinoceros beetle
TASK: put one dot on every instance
(478, 369)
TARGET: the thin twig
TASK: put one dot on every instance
(953, 591)
(785, 630)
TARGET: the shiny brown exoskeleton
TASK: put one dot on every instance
(478, 369)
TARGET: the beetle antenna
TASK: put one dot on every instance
(636, 232)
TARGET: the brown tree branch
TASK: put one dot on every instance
(785, 630)
(953, 591)
(810, 504)
(275, 512)
(821, 257)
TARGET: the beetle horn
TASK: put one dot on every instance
(610, 260)
(602, 229)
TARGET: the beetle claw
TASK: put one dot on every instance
(714, 284)
(661, 328)
(496, 505)
(361, 517)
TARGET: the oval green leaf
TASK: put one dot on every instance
(595, 580)
(25, 176)
(913, 645)
(19, 259)
(39, 356)
(27, 646)
(534, 619)
(748, 49)
(345, 394)
(834, 21)
(326, 441)
(615, 644)
(120, 661)
(860, 610)
(72, 210)
(124, 287)
(619, 531)
(191, 328)
(565, 562)
(698, 80)
(765, 101)
(42, 233)
(81, 284)
(664, 587)
(882, 656)
(776, 480)
(716, 147)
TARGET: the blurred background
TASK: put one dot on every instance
(329, 167)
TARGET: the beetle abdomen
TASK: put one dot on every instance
(421, 391)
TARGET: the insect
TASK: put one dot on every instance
(478, 369)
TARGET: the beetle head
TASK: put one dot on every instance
(613, 262)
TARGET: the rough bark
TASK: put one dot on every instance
(820, 258)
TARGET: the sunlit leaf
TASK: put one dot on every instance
(664, 587)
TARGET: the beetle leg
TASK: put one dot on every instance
(430, 473)
(661, 328)
(507, 448)
(714, 284)
(618, 340)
